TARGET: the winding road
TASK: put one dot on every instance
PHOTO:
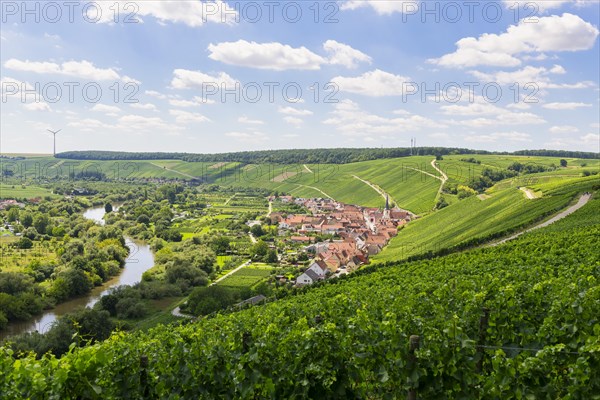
(580, 203)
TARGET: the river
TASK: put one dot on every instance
(140, 260)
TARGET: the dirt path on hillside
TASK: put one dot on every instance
(580, 203)
(177, 313)
(308, 169)
(426, 173)
(317, 189)
(233, 271)
(175, 171)
(529, 193)
(378, 190)
(177, 310)
(444, 176)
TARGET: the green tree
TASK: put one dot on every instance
(271, 256)
(259, 249)
(26, 220)
(563, 163)
(108, 208)
(24, 243)
(41, 222)
(13, 214)
(257, 230)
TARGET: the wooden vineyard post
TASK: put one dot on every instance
(412, 359)
(483, 325)
(144, 377)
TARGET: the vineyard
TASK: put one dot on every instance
(518, 321)
(247, 276)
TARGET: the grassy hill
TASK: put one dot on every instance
(515, 321)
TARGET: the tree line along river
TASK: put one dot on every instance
(140, 260)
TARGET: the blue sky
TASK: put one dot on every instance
(198, 76)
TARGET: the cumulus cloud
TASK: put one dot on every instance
(106, 109)
(342, 54)
(538, 76)
(294, 111)
(144, 106)
(273, 55)
(543, 6)
(185, 117)
(563, 129)
(78, 69)
(281, 57)
(37, 106)
(293, 120)
(382, 7)
(375, 83)
(348, 118)
(186, 79)
(499, 136)
(193, 13)
(245, 120)
(550, 34)
(252, 137)
(565, 106)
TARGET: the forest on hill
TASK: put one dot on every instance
(308, 156)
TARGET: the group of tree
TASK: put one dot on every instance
(308, 156)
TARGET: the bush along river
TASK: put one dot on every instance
(140, 260)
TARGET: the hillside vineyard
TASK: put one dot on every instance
(515, 321)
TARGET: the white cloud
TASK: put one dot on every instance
(538, 76)
(274, 56)
(506, 118)
(281, 57)
(382, 7)
(519, 106)
(186, 79)
(563, 129)
(195, 102)
(545, 5)
(37, 106)
(592, 139)
(550, 34)
(472, 109)
(144, 106)
(293, 120)
(108, 110)
(78, 69)
(138, 123)
(499, 136)
(193, 13)
(248, 136)
(342, 54)
(375, 83)
(351, 120)
(565, 106)
(89, 125)
(185, 117)
(156, 94)
(245, 120)
(294, 111)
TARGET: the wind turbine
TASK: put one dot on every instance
(54, 133)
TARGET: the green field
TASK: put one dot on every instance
(247, 276)
(23, 192)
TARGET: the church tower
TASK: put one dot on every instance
(386, 211)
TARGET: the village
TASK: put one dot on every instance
(357, 233)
